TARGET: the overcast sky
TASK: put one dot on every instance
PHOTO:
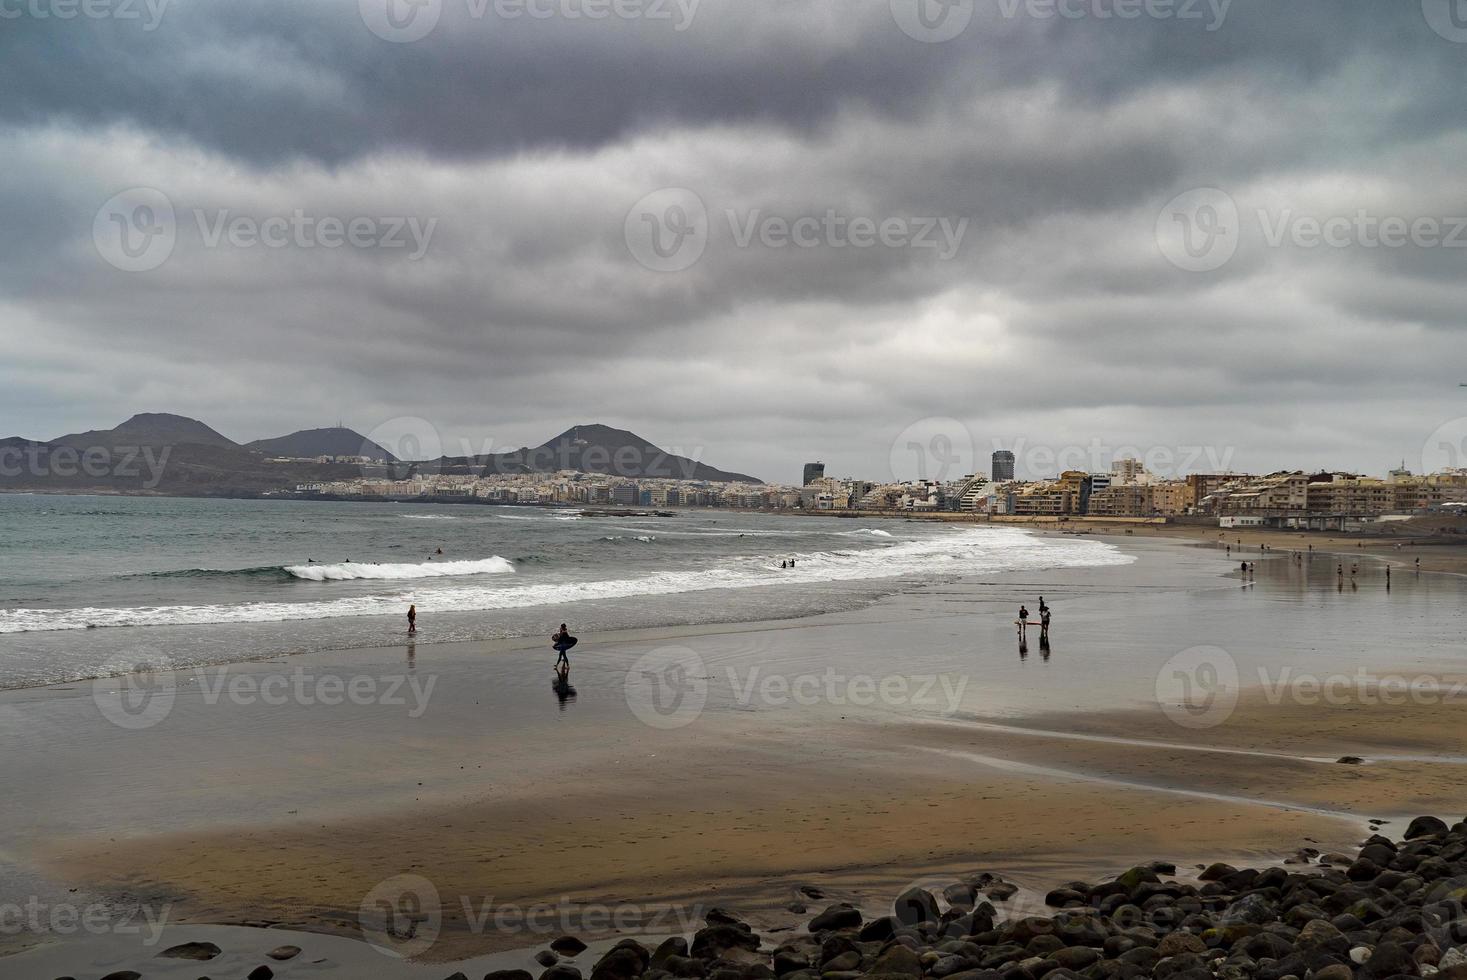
(1215, 234)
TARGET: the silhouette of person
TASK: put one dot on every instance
(563, 641)
(412, 619)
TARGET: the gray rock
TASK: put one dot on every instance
(1452, 957)
(713, 941)
(672, 946)
(898, 959)
(192, 951)
(561, 971)
(1426, 827)
(685, 966)
(961, 895)
(1250, 908)
(627, 960)
(838, 916)
(1177, 943)
(1075, 957)
(1389, 960)
(568, 946)
(915, 905)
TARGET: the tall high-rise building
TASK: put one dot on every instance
(1003, 466)
(813, 472)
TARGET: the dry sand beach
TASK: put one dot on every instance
(1042, 766)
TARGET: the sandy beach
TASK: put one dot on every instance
(977, 755)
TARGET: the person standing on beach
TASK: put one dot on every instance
(412, 619)
(1023, 617)
(1042, 607)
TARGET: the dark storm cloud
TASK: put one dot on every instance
(1052, 142)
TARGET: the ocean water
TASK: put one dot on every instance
(91, 586)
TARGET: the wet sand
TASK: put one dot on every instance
(1042, 767)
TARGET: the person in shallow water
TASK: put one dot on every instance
(412, 619)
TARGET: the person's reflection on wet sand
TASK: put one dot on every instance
(564, 693)
(1044, 645)
(412, 656)
(1023, 645)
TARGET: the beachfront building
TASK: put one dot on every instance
(1165, 498)
(973, 495)
(1003, 466)
(1127, 471)
(1042, 500)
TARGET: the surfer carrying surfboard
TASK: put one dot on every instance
(562, 641)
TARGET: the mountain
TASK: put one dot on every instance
(178, 456)
(310, 443)
(599, 449)
(153, 454)
(149, 429)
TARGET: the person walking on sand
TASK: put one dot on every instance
(412, 619)
(1042, 607)
(1023, 617)
(562, 641)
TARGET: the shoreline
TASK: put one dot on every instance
(1117, 533)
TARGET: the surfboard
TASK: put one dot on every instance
(564, 645)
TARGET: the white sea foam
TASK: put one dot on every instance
(870, 532)
(982, 551)
(428, 517)
(348, 570)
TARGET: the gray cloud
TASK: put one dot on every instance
(1056, 142)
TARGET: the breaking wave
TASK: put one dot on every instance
(348, 570)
